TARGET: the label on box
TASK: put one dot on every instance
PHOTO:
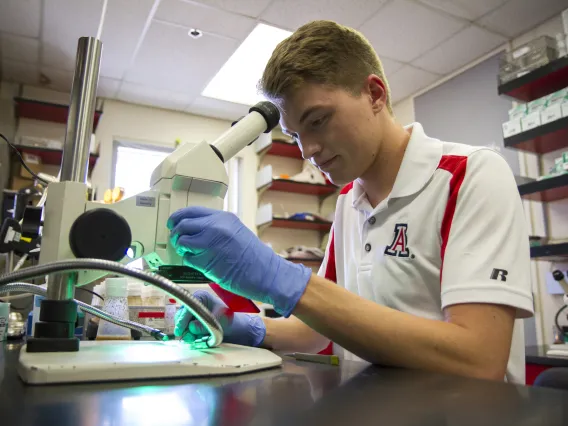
(551, 113)
(31, 159)
(511, 127)
(531, 121)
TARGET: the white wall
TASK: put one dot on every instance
(404, 111)
(141, 124)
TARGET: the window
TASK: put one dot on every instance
(134, 164)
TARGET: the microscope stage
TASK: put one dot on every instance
(105, 361)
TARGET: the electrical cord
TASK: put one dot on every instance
(560, 330)
(90, 291)
(32, 288)
(24, 165)
(200, 312)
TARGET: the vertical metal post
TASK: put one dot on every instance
(75, 162)
(74, 166)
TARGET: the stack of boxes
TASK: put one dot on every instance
(523, 117)
(560, 166)
(530, 56)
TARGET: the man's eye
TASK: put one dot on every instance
(319, 121)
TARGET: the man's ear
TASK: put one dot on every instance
(377, 92)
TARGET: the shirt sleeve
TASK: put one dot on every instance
(485, 243)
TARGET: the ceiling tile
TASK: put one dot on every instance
(23, 49)
(60, 80)
(244, 7)
(404, 30)
(216, 108)
(149, 96)
(518, 16)
(291, 14)
(64, 21)
(192, 15)
(171, 60)
(122, 29)
(408, 80)
(461, 49)
(468, 9)
(20, 72)
(390, 65)
(107, 87)
(21, 17)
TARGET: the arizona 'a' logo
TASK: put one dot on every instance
(399, 245)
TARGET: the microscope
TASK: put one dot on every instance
(85, 233)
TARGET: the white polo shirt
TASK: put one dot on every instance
(451, 231)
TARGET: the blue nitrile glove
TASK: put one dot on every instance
(239, 328)
(219, 245)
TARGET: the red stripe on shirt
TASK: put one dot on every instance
(346, 188)
(456, 165)
(330, 271)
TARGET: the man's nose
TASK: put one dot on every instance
(309, 147)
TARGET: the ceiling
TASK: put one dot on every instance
(148, 57)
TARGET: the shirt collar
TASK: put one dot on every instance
(419, 163)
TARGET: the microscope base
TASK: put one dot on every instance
(106, 361)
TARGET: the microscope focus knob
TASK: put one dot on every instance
(100, 234)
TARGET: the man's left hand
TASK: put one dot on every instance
(219, 245)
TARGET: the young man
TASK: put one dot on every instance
(428, 261)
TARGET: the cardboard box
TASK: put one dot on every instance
(518, 111)
(18, 183)
(551, 113)
(511, 127)
(33, 162)
(531, 121)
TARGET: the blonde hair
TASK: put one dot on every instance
(322, 52)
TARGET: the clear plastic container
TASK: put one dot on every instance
(134, 298)
(153, 296)
(116, 303)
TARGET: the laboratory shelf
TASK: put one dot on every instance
(542, 139)
(550, 252)
(310, 225)
(550, 189)
(282, 149)
(52, 156)
(287, 185)
(316, 263)
(539, 82)
(47, 111)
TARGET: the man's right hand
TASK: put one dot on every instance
(239, 328)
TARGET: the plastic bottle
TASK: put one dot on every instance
(116, 303)
(170, 314)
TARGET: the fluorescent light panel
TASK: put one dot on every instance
(236, 81)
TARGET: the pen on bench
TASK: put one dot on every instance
(320, 359)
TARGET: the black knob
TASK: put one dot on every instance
(100, 234)
(31, 221)
(558, 275)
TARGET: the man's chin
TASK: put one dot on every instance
(336, 179)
